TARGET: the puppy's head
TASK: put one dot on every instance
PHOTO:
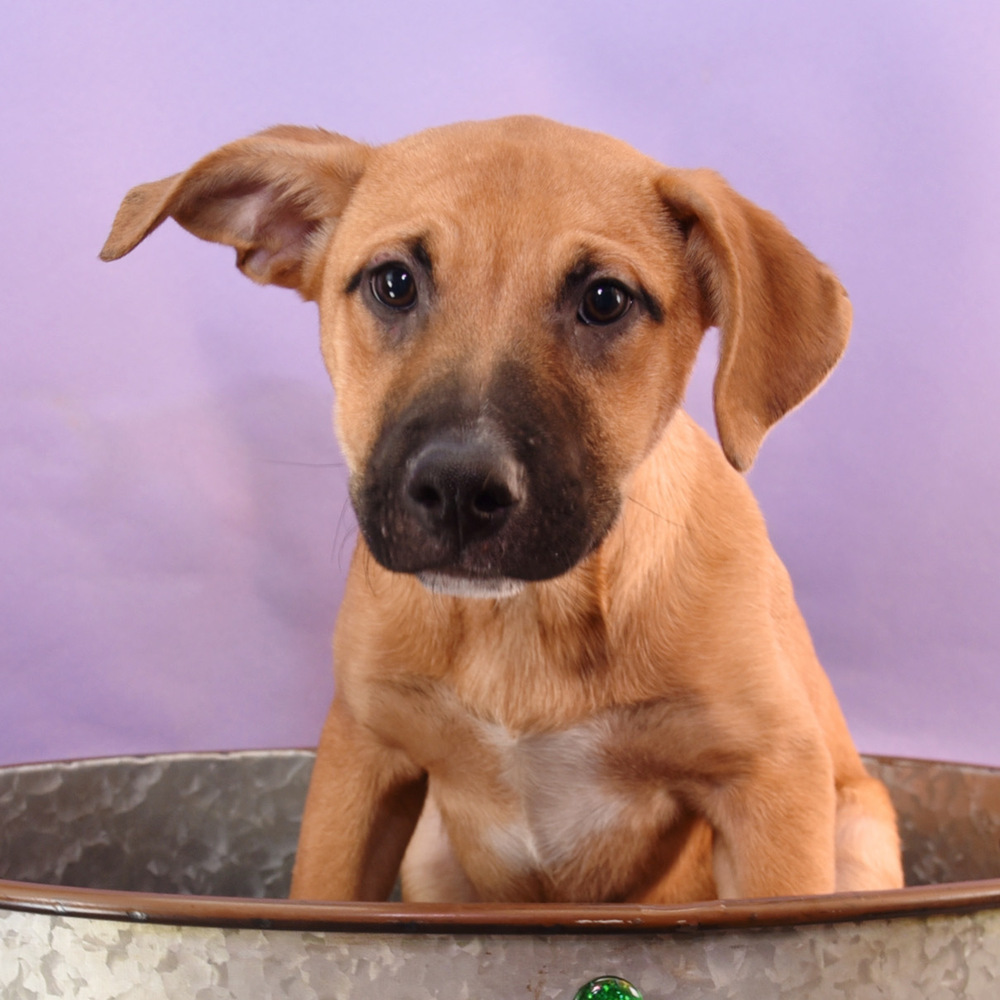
(510, 312)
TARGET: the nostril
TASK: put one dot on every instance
(491, 498)
(426, 495)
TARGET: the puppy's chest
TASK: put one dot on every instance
(558, 788)
(531, 768)
(538, 799)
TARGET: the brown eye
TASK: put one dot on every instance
(604, 302)
(394, 286)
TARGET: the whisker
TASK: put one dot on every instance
(304, 465)
(367, 559)
(345, 534)
(653, 511)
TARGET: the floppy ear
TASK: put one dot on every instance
(273, 196)
(783, 316)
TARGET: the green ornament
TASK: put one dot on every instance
(608, 988)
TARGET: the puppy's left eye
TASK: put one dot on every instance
(604, 302)
(394, 286)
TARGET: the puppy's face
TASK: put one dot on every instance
(509, 324)
(510, 311)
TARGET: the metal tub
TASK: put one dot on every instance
(162, 876)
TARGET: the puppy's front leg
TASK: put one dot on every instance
(363, 804)
(775, 833)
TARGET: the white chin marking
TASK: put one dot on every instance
(457, 586)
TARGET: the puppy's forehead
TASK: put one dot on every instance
(510, 179)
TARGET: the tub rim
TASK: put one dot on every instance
(953, 898)
(942, 899)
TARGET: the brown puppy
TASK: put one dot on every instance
(569, 664)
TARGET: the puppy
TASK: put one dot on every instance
(569, 663)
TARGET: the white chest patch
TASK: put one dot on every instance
(564, 794)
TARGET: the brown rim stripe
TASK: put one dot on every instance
(280, 914)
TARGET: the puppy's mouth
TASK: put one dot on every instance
(478, 496)
(475, 587)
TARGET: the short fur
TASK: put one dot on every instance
(569, 663)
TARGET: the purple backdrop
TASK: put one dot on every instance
(173, 520)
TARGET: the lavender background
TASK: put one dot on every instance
(173, 520)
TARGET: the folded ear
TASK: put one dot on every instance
(272, 196)
(783, 316)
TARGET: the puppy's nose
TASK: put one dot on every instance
(463, 488)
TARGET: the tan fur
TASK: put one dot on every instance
(653, 724)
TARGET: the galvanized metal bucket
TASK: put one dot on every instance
(162, 877)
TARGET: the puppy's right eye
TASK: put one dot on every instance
(394, 286)
(604, 302)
